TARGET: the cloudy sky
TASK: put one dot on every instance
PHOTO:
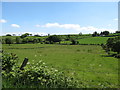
(59, 17)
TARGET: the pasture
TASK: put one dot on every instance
(87, 63)
(93, 40)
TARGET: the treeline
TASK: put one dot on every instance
(106, 33)
(51, 39)
(18, 40)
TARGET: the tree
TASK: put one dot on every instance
(14, 34)
(3, 41)
(30, 34)
(9, 41)
(54, 38)
(114, 44)
(8, 35)
(37, 35)
(30, 40)
(18, 40)
(35, 40)
(110, 42)
(105, 33)
(39, 40)
(117, 32)
(24, 35)
(101, 34)
(106, 48)
(74, 42)
(48, 34)
(25, 40)
(68, 36)
(116, 47)
(80, 33)
(95, 34)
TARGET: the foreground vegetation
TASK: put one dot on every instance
(89, 64)
(33, 75)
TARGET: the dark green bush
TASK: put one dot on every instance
(8, 61)
(74, 42)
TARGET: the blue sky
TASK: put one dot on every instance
(59, 17)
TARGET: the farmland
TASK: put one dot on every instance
(89, 64)
(93, 40)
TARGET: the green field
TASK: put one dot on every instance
(93, 40)
(87, 63)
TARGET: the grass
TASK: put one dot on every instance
(93, 40)
(89, 64)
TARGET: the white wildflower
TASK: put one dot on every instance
(28, 63)
(56, 70)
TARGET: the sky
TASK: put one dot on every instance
(58, 17)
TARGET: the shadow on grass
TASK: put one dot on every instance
(109, 55)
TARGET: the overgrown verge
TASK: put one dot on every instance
(33, 76)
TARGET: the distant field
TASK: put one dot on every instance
(93, 40)
(87, 63)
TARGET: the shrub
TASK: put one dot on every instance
(47, 42)
(8, 61)
(117, 56)
(74, 42)
(34, 75)
(18, 40)
(114, 44)
(53, 38)
(9, 40)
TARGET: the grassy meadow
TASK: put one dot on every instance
(89, 64)
(93, 40)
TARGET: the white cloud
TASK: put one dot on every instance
(115, 19)
(3, 21)
(77, 27)
(15, 25)
(66, 26)
(20, 33)
(37, 25)
(51, 25)
(63, 29)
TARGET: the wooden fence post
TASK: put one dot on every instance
(24, 64)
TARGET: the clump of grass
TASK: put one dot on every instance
(89, 50)
(78, 50)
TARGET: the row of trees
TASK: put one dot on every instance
(18, 40)
(49, 40)
(25, 35)
(104, 33)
